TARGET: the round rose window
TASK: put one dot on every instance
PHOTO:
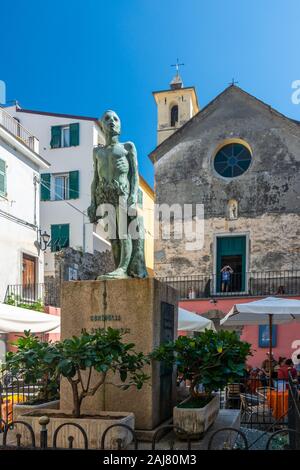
(232, 160)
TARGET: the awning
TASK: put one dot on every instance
(17, 320)
(189, 321)
(257, 312)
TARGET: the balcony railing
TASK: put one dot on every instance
(34, 296)
(190, 287)
(14, 127)
(265, 283)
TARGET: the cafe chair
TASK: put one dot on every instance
(255, 409)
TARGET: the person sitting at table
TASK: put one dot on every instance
(278, 383)
(285, 369)
(281, 362)
(265, 369)
(297, 366)
(254, 380)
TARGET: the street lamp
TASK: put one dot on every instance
(44, 240)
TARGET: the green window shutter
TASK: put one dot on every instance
(55, 137)
(55, 231)
(64, 235)
(2, 178)
(45, 186)
(140, 198)
(60, 236)
(74, 134)
(74, 185)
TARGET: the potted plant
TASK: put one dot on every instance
(209, 362)
(85, 362)
(25, 368)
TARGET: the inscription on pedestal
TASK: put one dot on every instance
(105, 317)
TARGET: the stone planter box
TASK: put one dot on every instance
(94, 428)
(22, 408)
(196, 421)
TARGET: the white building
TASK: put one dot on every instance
(21, 261)
(67, 142)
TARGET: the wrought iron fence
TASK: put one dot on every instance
(20, 434)
(34, 296)
(270, 418)
(239, 284)
(294, 414)
(14, 390)
(262, 407)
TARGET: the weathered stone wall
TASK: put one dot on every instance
(268, 193)
(87, 266)
(273, 245)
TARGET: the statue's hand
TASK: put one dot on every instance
(92, 213)
(132, 201)
(132, 206)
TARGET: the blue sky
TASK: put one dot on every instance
(82, 57)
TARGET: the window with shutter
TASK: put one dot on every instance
(74, 185)
(45, 186)
(55, 137)
(74, 134)
(60, 236)
(2, 177)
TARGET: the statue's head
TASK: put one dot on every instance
(110, 123)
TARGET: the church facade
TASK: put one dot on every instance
(240, 159)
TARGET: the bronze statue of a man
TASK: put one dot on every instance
(116, 182)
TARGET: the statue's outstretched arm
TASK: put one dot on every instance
(92, 210)
(133, 173)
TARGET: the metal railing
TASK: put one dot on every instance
(71, 436)
(273, 415)
(294, 414)
(262, 407)
(34, 295)
(261, 283)
(12, 125)
(195, 286)
(13, 390)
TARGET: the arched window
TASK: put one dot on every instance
(174, 115)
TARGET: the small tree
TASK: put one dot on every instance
(78, 358)
(28, 362)
(212, 359)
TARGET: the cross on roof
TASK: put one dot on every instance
(233, 82)
(177, 65)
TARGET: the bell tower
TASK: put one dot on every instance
(175, 106)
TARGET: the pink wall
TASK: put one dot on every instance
(52, 336)
(288, 336)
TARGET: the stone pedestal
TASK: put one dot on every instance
(147, 309)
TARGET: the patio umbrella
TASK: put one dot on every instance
(269, 311)
(189, 321)
(16, 320)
